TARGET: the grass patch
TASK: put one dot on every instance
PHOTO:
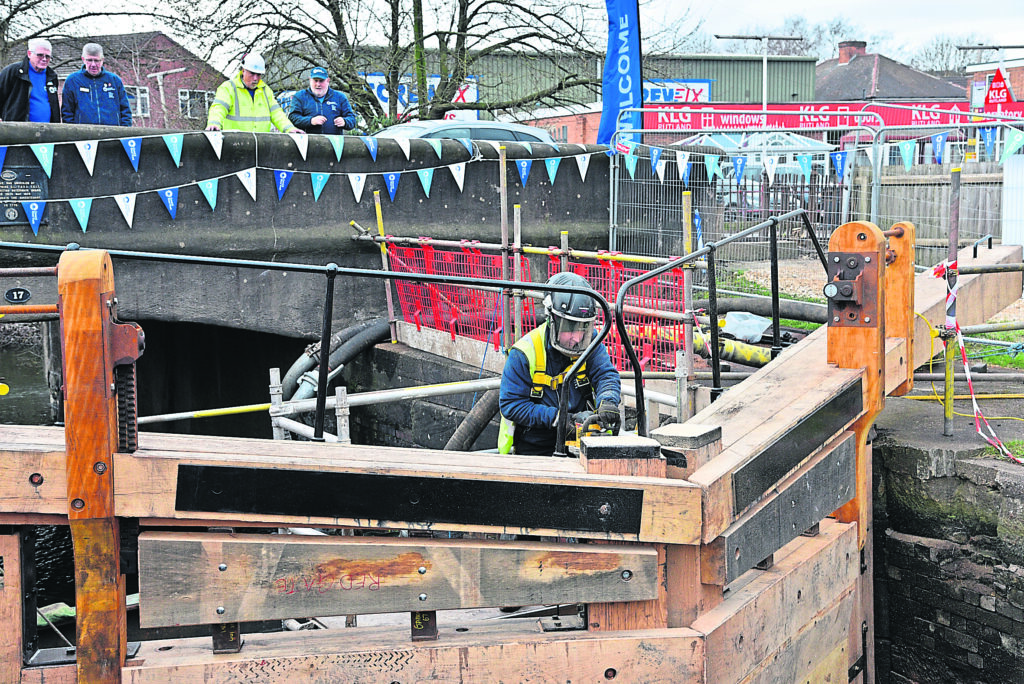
(999, 356)
(735, 280)
(799, 325)
(1015, 446)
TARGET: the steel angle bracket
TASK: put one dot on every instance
(850, 290)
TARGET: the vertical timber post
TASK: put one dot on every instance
(85, 285)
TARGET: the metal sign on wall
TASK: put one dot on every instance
(20, 184)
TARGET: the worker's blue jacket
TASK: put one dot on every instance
(99, 99)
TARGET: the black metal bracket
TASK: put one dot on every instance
(851, 291)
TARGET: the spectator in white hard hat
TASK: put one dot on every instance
(246, 103)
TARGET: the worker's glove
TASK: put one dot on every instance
(608, 412)
(581, 417)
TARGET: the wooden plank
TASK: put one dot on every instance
(506, 652)
(899, 308)
(56, 674)
(21, 469)
(757, 619)
(669, 511)
(11, 608)
(820, 486)
(898, 371)
(184, 578)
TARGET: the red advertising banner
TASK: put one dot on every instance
(998, 92)
(811, 115)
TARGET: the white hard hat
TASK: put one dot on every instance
(255, 63)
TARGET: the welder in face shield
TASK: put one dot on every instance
(535, 372)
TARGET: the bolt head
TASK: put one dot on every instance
(99, 467)
(220, 610)
(222, 567)
(627, 575)
(422, 570)
(78, 504)
(423, 597)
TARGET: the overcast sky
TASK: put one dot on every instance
(909, 24)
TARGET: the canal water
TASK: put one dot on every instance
(28, 399)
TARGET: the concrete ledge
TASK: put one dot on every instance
(687, 435)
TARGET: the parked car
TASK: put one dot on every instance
(744, 199)
(474, 130)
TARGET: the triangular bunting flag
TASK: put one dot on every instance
(174, 142)
(357, 181)
(87, 149)
(126, 203)
(770, 162)
(319, 180)
(524, 169)
(282, 179)
(209, 188)
(908, 149)
(404, 144)
(496, 145)
(938, 144)
(838, 163)
(804, 160)
(988, 134)
(683, 164)
(426, 178)
(739, 165)
(391, 181)
(551, 163)
(301, 141)
(655, 157)
(3, 155)
(459, 171)
(34, 214)
(685, 174)
(697, 221)
(528, 146)
(555, 147)
(1014, 139)
(371, 145)
(133, 148)
(81, 208)
(631, 160)
(44, 153)
(338, 143)
(468, 144)
(170, 198)
(436, 144)
(711, 164)
(248, 178)
(659, 170)
(216, 139)
(583, 163)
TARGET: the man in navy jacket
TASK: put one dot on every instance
(319, 108)
(94, 95)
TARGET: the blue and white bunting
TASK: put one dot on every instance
(357, 181)
(281, 179)
(436, 145)
(459, 172)
(174, 142)
(655, 157)
(34, 213)
(551, 164)
(87, 150)
(371, 145)
(468, 144)
(391, 181)
(711, 164)
(248, 179)
(804, 160)
(938, 145)
(528, 146)
(302, 142)
(771, 162)
(631, 160)
(1014, 139)
(44, 153)
(82, 207)
(319, 180)
(908, 150)
(170, 200)
(126, 203)
(404, 144)
(133, 148)
(3, 155)
(338, 143)
(838, 163)
(739, 165)
(988, 134)
(583, 163)
(524, 169)
(209, 189)
(683, 165)
(697, 221)
(659, 170)
(216, 140)
(426, 179)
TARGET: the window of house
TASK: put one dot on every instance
(138, 99)
(194, 104)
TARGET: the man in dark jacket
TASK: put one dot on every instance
(28, 89)
(319, 108)
(93, 95)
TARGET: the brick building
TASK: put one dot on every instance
(979, 77)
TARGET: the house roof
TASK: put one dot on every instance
(872, 76)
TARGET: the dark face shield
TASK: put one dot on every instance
(570, 335)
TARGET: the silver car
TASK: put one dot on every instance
(474, 130)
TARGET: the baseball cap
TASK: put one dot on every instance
(318, 72)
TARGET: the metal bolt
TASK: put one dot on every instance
(862, 236)
(423, 597)
(78, 504)
(222, 567)
(835, 259)
(627, 575)
(113, 387)
(99, 467)
(836, 319)
(867, 319)
(852, 262)
(422, 570)
(35, 479)
(867, 260)
(604, 509)
(220, 610)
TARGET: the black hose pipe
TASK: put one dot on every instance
(310, 358)
(788, 308)
(474, 423)
(375, 332)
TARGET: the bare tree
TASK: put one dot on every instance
(941, 54)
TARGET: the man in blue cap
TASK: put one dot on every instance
(321, 109)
